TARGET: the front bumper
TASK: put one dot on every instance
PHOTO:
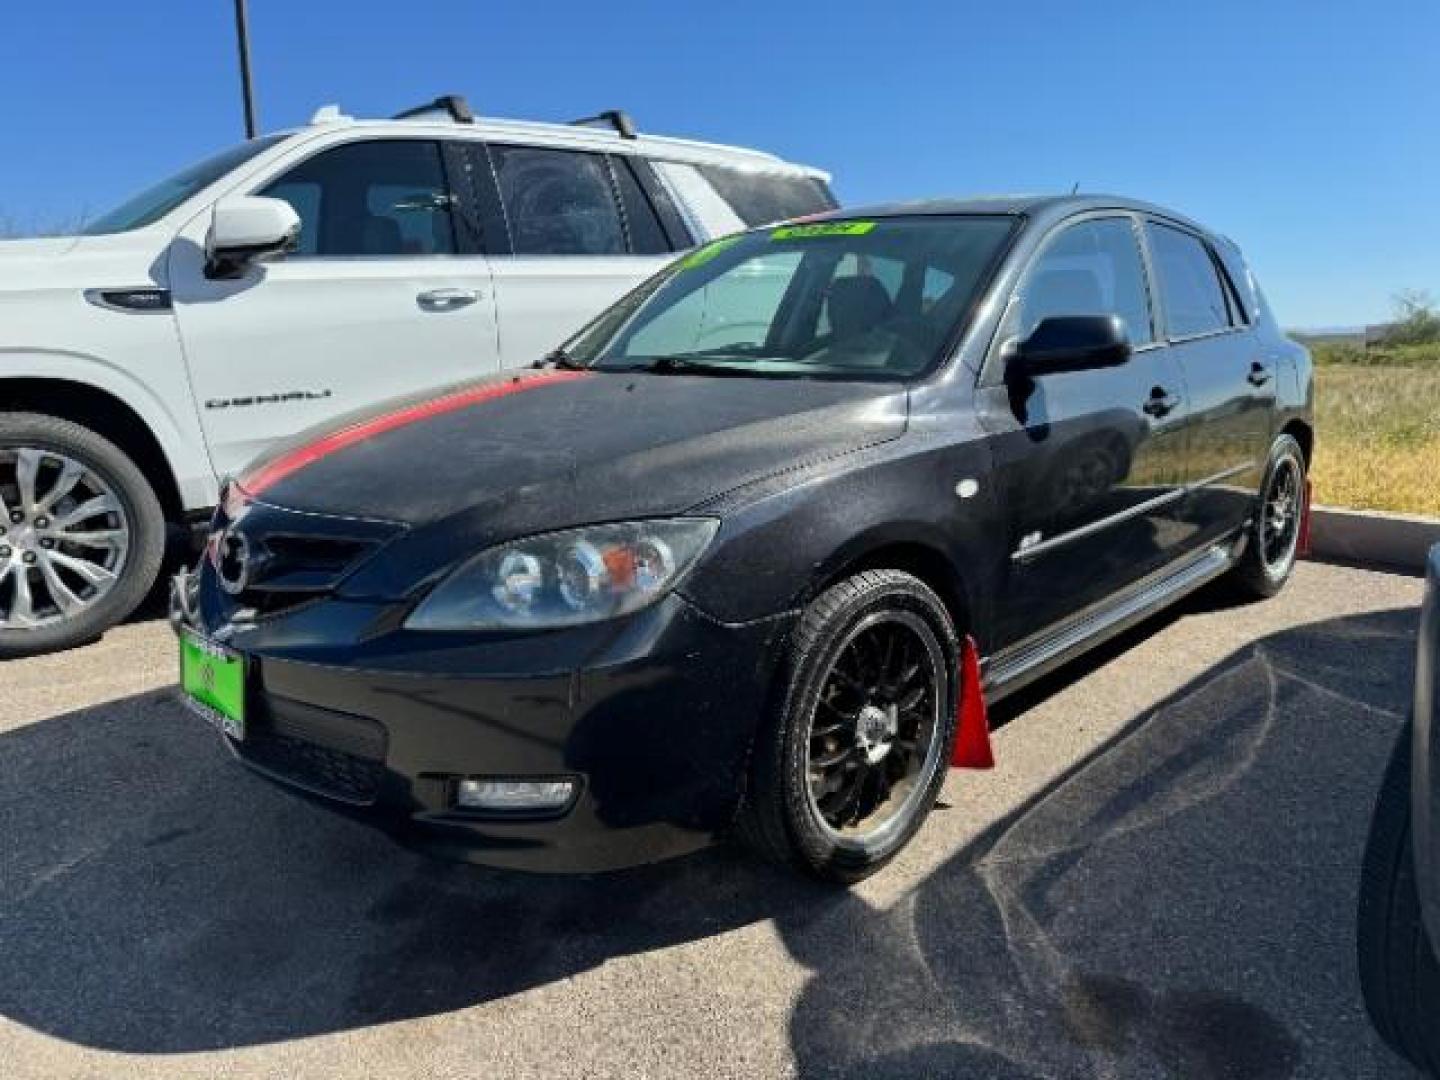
(1425, 776)
(652, 715)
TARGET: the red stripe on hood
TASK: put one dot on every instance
(253, 483)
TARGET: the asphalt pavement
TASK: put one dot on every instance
(1158, 880)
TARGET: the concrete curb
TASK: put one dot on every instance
(1372, 538)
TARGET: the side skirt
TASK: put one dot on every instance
(1022, 664)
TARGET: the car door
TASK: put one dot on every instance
(1228, 372)
(1090, 463)
(388, 293)
(579, 234)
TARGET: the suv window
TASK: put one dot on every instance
(759, 198)
(1092, 268)
(371, 198)
(647, 237)
(558, 202)
(1189, 282)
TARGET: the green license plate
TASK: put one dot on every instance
(212, 680)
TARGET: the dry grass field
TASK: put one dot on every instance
(1378, 437)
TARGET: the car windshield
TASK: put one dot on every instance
(159, 199)
(863, 299)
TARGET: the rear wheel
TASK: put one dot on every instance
(1274, 539)
(81, 534)
(849, 766)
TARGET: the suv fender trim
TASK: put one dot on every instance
(178, 437)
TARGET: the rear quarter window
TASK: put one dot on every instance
(759, 198)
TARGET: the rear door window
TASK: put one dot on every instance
(1190, 286)
(383, 197)
(759, 198)
(558, 202)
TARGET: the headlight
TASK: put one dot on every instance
(566, 578)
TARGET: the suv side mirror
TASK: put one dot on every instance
(1071, 343)
(246, 229)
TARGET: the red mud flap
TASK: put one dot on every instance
(972, 740)
(1302, 545)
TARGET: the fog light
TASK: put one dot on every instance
(514, 794)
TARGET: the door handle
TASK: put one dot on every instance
(1160, 403)
(447, 299)
(1258, 375)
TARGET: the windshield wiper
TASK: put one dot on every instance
(561, 359)
(685, 365)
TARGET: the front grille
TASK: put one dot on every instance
(290, 563)
(280, 559)
(332, 773)
(330, 753)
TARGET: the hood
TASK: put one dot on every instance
(39, 247)
(528, 452)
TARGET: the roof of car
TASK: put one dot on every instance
(663, 147)
(1030, 205)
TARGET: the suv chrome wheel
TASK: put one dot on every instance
(64, 537)
(872, 738)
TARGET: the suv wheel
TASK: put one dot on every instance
(81, 534)
(1399, 974)
(849, 766)
(1269, 556)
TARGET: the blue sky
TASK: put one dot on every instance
(1308, 130)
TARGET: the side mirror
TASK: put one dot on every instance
(1070, 343)
(246, 229)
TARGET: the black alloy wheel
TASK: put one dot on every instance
(850, 764)
(1274, 540)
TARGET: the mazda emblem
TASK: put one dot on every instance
(233, 565)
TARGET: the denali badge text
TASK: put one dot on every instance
(267, 399)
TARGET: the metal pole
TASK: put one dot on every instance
(247, 90)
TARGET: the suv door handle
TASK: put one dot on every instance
(1258, 375)
(447, 299)
(1160, 403)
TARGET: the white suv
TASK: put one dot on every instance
(298, 276)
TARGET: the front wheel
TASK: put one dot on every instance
(848, 767)
(81, 534)
(1274, 539)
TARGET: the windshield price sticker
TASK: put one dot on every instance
(708, 252)
(822, 228)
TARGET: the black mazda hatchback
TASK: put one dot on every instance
(749, 553)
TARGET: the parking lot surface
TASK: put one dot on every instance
(1158, 879)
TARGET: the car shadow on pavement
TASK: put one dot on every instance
(156, 897)
(1178, 903)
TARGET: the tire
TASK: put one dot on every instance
(1399, 975)
(783, 818)
(1259, 574)
(96, 601)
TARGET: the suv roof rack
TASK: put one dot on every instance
(453, 104)
(618, 119)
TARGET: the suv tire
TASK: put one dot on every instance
(94, 468)
(875, 662)
(1271, 550)
(1399, 974)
